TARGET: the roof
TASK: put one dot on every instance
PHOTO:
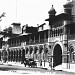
(42, 25)
(62, 16)
(16, 24)
(69, 4)
(70, 25)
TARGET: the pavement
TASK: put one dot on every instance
(22, 65)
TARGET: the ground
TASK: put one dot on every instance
(18, 70)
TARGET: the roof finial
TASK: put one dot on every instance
(52, 11)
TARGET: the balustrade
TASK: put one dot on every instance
(56, 32)
(15, 44)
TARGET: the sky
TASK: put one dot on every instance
(31, 12)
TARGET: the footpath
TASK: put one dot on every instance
(22, 65)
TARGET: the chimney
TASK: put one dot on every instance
(16, 28)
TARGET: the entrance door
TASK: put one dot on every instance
(57, 59)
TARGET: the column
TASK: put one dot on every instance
(15, 54)
(21, 54)
(7, 54)
(18, 54)
(34, 38)
(39, 37)
(44, 37)
(56, 32)
(52, 63)
(16, 42)
(19, 42)
(10, 55)
(11, 43)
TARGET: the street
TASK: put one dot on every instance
(8, 69)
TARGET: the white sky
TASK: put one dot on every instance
(31, 12)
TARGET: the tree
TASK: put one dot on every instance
(2, 15)
(8, 30)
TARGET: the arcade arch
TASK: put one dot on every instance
(57, 55)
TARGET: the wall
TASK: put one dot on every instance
(16, 29)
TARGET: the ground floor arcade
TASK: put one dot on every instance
(40, 53)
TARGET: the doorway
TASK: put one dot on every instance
(57, 59)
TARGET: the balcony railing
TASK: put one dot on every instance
(37, 41)
(15, 44)
(30, 42)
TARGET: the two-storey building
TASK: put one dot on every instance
(50, 45)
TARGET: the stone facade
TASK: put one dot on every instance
(48, 47)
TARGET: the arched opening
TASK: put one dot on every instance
(0, 55)
(19, 55)
(11, 55)
(71, 55)
(31, 50)
(27, 50)
(23, 55)
(16, 55)
(57, 59)
(35, 49)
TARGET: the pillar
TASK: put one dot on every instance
(52, 63)
(0, 55)
(11, 54)
(21, 54)
(18, 54)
